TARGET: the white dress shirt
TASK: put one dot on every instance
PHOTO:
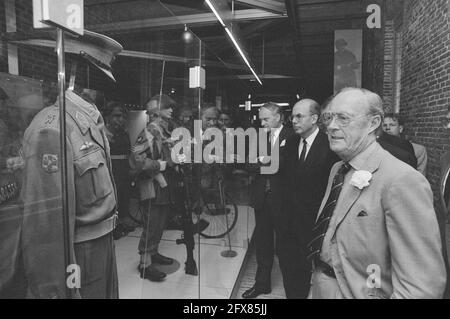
(274, 134)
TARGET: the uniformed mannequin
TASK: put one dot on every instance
(92, 195)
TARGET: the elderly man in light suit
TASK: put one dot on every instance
(376, 235)
(444, 196)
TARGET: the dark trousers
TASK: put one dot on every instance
(97, 261)
(266, 220)
(276, 233)
(155, 221)
(295, 268)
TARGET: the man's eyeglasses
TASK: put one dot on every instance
(299, 117)
(342, 120)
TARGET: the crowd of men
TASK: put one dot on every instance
(349, 212)
(150, 164)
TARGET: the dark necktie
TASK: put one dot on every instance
(269, 143)
(303, 154)
(321, 227)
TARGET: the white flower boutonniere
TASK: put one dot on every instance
(361, 179)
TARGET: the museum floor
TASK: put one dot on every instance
(217, 275)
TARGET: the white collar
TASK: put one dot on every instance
(312, 137)
(276, 132)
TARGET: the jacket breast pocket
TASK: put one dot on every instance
(93, 180)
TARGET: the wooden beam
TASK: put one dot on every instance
(269, 5)
(139, 54)
(179, 21)
(252, 31)
(251, 77)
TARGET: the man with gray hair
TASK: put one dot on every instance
(266, 197)
(376, 235)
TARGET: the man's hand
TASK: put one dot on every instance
(263, 159)
(213, 158)
(181, 159)
(234, 158)
(163, 165)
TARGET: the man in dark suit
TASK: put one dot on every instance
(266, 198)
(393, 125)
(401, 149)
(306, 167)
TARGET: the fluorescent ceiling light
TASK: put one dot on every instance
(261, 104)
(215, 12)
(230, 35)
(242, 54)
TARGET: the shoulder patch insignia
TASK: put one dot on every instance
(50, 163)
(82, 120)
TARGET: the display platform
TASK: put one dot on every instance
(217, 274)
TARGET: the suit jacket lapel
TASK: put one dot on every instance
(314, 150)
(281, 137)
(345, 203)
(295, 147)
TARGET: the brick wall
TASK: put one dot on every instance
(426, 78)
(388, 79)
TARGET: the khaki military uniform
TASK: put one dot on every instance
(157, 188)
(91, 204)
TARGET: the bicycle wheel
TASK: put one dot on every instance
(136, 213)
(221, 219)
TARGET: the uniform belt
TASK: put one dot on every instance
(323, 267)
(90, 232)
(119, 157)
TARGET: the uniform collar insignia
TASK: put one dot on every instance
(87, 107)
(82, 121)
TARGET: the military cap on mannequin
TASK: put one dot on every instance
(98, 49)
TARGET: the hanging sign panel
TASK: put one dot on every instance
(65, 14)
(347, 59)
